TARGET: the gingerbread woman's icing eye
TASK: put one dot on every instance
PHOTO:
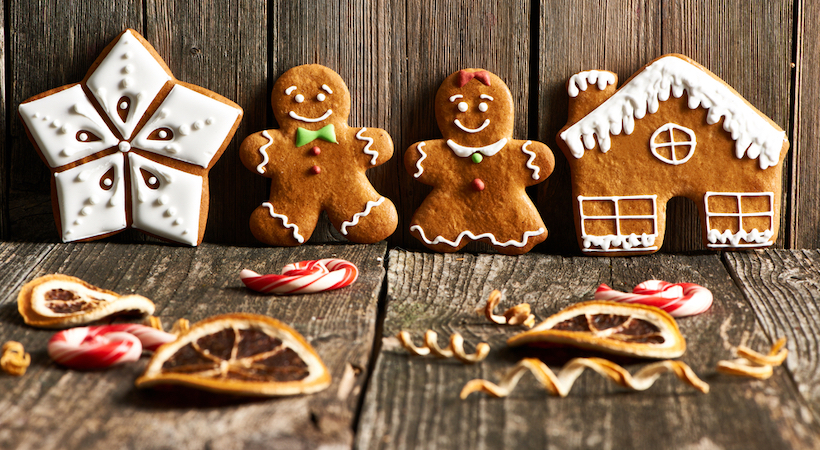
(87, 136)
(299, 98)
(483, 107)
(321, 97)
(150, 179)
(462, 106)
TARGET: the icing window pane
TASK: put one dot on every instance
(673, 144)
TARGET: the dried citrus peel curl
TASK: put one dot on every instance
(559, 385)
(15, 360)
(753, 364)
(517, 315)
(454, 350)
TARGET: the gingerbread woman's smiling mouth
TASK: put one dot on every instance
(324, 116)
(472, 130)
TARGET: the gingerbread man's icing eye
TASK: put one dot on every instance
(462, 106)
(482, 107)
(299, 98)
(87, 136)
(321, 97)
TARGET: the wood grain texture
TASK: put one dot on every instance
(52, 407)
(412, 402)
(783, 288)
(805, 212)
(223, 47)
(5, 221)
(748, 45)
(51, 43)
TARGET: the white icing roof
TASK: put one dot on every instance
(754, 136)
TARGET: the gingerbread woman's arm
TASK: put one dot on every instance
(377, 145)
(255, 151)
(536, 159)
(417, 160)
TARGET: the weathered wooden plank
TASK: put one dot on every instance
(623, 36)
(805, 211)
(431, 39)
(412, 402)
(51, 43)
(5, 222)
(222, 47)
(784, 290)
(52, 407)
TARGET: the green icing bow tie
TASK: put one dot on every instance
(327, 133)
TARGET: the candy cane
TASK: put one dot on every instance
(678, 299)
(98, 347)
(303, 277)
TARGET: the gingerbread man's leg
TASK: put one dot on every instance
(284, 222)
(364, 216)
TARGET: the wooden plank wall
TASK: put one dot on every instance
(393, 55)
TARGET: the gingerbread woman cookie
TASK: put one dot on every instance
(478, 172)
(316, 163)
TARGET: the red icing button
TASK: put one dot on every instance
(477, 184)
(316, 151)
(316, 170)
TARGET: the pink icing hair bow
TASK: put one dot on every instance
(480, 75)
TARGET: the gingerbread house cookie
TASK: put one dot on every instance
(478, 171)
(316, 162)
(673, 129)
(130, 146)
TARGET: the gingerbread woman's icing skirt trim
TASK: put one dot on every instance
(261, 167)
(487, 150)
(442, 240)
(672, 76)
(353, 222)
(418, 163)
(324, 116)
(284, 219)
(375, 154)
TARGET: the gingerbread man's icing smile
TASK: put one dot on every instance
(316, 163)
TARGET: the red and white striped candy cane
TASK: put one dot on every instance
(303, 277)
(98, 347)
(677, 299)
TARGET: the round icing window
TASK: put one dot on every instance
(673, 144)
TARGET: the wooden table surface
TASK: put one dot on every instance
(381, 396)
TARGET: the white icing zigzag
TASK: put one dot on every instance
(535, 169)
(418, 163)
(753, 135)
(261, 167)
(456, 243)
(284, 219)
(753, 236)
(580, 81)
(367, 150)
(626, 242)
(355, 220)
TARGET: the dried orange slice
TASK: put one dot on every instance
(61, 301)
(241, 354)
(618, 328)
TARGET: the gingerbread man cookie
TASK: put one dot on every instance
(316, 163)
(478, 172)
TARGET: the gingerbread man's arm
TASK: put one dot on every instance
(377, 146)
(256, 149)
(535, 160)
